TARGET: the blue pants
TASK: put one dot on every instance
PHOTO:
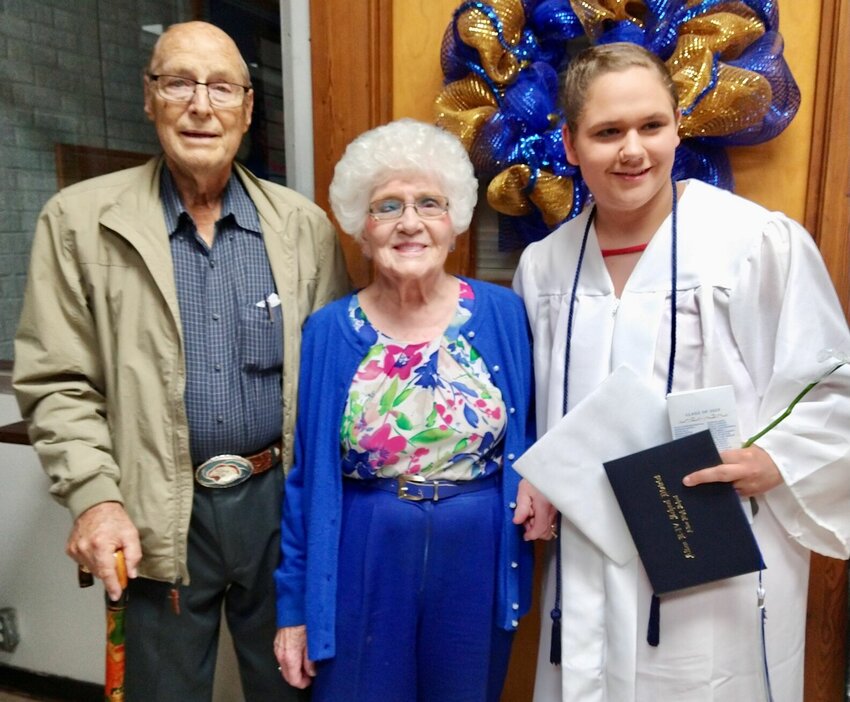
(416, 601)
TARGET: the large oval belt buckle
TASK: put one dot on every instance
(223, 471)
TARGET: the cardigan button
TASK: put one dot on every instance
(471, 335)
(512, 505)
(514, 623)
(512, 410)
(496, 368)
(514, 564)
(511, 456)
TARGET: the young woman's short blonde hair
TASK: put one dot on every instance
(600, 59)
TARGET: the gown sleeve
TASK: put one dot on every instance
(525, 284)
(783, 313)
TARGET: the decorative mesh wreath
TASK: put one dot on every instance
(501, 61)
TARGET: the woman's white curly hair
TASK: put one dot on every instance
(404, 148)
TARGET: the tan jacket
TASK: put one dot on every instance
(99, 366)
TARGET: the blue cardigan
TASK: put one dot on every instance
(306, 579)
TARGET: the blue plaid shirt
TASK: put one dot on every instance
(232, 334)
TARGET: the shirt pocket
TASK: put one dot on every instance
(261, 338)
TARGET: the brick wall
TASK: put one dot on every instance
(70, 72)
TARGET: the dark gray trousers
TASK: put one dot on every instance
(234, 547)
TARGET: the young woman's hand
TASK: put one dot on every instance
(535, 513)
(750, 470)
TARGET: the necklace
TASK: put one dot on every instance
(638, 248)
(673, 281)
(654, 612)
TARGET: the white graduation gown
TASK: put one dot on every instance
(754, 309)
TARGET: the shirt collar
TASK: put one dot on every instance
(235, 203)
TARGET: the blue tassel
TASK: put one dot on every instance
(653, 631)
(555, 644)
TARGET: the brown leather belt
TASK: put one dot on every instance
(227, 470)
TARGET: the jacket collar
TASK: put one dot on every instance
(136, 216)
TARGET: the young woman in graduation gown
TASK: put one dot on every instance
(753, 308)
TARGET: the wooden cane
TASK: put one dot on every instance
(115, 655)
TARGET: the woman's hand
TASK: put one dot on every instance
(535, 513)
(290, 649)
(750, 470)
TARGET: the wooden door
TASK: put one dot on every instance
(352, 89)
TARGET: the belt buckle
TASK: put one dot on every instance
(224, 471)
(404, 490)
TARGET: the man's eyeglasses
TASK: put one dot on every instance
(426, 206)
(179, 89)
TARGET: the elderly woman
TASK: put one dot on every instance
(405, 563)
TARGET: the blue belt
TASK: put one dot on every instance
(408, 488)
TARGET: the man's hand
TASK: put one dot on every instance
(750, 470)
(535, 513)
(98, 533)
(290, 649)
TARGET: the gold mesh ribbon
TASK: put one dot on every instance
(476, 30)
(594, 15)
(463, 106)
(552, 194)
(740, 98)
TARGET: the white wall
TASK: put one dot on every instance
(61, 626)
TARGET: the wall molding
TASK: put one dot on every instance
(828, 219)
(828, 197)
(352, 59)
(54, 687)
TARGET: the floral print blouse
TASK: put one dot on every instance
(426, 409)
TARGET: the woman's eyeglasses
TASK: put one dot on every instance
(426, 206)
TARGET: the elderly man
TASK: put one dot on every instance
(156, 362)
